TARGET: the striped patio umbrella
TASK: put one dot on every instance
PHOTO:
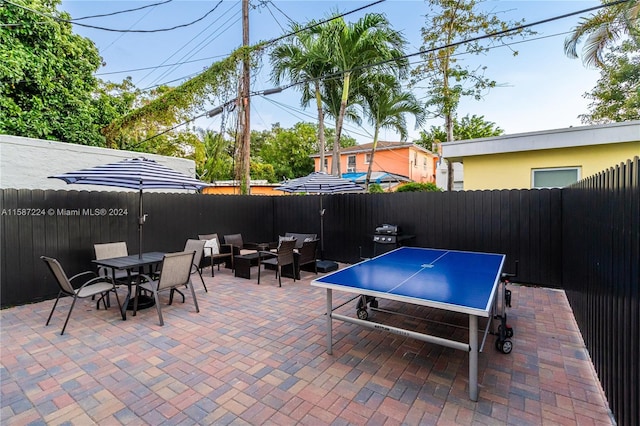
(320, 183)
(133, 173)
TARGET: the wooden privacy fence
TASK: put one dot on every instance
(525, 225)
(601, 277)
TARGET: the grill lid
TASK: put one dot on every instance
(388, 229)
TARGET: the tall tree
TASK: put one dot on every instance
(218, 157)
(304, 61)
(446, 80)
(469, 127)
(616, 96)
(355, 50)
(475, 127)
(332, 100)
(386, 108)
(289, 150)
(47, 75)
(603, 30)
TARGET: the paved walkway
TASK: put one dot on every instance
(256, 355)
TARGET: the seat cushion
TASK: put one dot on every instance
(285, 238)
(211, 247)
(93, 289)
(300, 238)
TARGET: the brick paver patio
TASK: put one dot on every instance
(256, 355)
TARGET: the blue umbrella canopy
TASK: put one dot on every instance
(133, 173)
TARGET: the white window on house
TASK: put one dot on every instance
(367, 158)
(326, 163)
(554, 177)
(351, 164)
(424, 163)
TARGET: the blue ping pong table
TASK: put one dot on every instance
(457, 281)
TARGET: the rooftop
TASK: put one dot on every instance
(257, 355)
(382, 146)
(624, 132)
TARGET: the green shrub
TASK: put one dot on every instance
(375, 188)
(419, 187)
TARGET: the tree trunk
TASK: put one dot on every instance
(321, 144)
(370, 168)
(335, 164)
(448, 121)
(246, 110)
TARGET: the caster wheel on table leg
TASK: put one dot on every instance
(504, 346)
(362, 314)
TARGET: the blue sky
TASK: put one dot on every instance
(540, 89)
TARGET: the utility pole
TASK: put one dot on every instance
(245, 183)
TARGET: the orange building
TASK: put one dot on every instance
(401, 158)
(230, 187)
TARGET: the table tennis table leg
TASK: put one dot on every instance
(329, 327)
(473, 357)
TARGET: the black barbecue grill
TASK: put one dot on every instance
(388, 237)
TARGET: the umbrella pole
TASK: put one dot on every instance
(321, 230)
(140, 223)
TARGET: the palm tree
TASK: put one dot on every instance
(332, 99)
(218, 162)
(304, 61)
(386, 107)
(602, 30)
(353, 50)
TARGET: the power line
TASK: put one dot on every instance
(458, 43)
(279, 10)
(266, 5)
(276, 39)
(420, 52)
(333, 18)
(122, 11)
(199, 46)
(55, 18)
(439, 48)
(179, 63)
(121, 35)
(161, 66)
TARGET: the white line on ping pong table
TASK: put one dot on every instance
(422, 267)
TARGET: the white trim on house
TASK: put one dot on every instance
(628, 131)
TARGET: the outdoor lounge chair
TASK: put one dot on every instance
(198, 247)
(111, 250)
(306, 256)
(108, 251)
(301, 238)
(94, 286)
(174, 274)
(216, 252)
(239, 247)
(282, 257)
